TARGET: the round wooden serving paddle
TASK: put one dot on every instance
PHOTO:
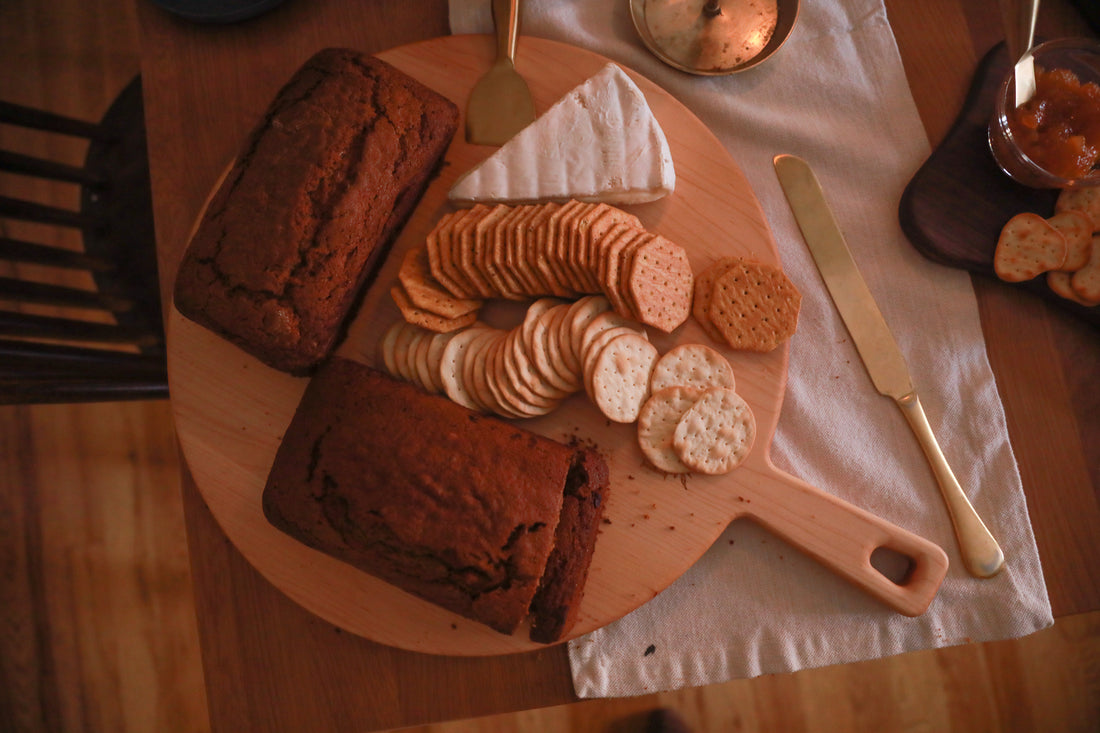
(231, 410)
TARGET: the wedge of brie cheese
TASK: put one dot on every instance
(600, 142)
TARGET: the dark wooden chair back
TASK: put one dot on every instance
(99, 342)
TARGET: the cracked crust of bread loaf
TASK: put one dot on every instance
(323, 184)
(457, 508)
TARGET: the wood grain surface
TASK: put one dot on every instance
(231, 411)
(271, 665)
(101, 634)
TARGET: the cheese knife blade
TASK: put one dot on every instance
(879, 351)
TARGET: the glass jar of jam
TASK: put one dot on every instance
(1053, 139)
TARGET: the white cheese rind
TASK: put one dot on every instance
(600, 142)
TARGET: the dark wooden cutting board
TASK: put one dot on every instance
(955, 206)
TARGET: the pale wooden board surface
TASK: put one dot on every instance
(231, 410)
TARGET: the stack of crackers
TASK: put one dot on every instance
(693, 419)
(559, 349)
(549, 249)
(598, 278)
(1064, 246)
(745, 304)
(689, 416)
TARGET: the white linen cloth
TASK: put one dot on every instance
(835, 94)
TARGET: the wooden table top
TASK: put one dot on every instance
(274, 666)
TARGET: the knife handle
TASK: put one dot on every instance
(981, 554)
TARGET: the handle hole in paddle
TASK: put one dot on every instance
(897, 567)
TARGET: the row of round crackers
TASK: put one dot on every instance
(527, 371)
(693, 419)
(745, 304)
(689, 416)
(549, 249)
(1064, 246)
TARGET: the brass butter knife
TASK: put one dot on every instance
(879, 351)
(500, 103)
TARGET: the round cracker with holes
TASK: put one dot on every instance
(620, 376)
(596, 346)
(657, 423)
(692, 365)
(452, 365)
(716, 433)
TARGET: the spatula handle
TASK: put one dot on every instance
(1019, 23)
(506, 19)
(842, 537)
(981, 554)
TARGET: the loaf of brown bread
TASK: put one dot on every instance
(455, 507)
(323, 184)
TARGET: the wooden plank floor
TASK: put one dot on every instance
(96, 610)
(98, 630)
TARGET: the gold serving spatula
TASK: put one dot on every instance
(500, 104)
(880, 353)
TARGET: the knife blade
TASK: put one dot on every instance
(879, 352)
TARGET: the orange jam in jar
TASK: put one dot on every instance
(1059, 127)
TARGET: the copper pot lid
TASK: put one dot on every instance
(713, 37)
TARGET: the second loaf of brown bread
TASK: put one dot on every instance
(323, 184)
(458, 508)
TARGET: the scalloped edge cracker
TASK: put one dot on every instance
(1085, 200)
(1086, 280)
(1076, 227)
(1027, 247)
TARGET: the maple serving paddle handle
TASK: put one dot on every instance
(843, 537)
